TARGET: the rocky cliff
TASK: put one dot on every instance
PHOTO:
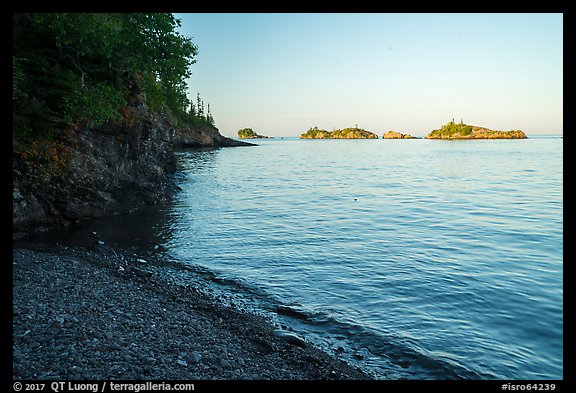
(205, 136)
(92, 172)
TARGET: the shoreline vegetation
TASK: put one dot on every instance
(99, 313)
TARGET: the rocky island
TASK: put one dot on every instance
(397, 135)
(347, 133)
(465, 131)
(249, 133)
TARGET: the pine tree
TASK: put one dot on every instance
(199, 106)
(209, 117)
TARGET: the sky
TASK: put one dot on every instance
(281, 74)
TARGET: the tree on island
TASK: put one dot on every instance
(452, 130)
(249, 133)
(346, 133)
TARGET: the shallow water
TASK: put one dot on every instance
(419, 259)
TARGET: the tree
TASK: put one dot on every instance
(199, 106)
(80, 67)
(209, 118)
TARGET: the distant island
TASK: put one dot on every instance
(465, 131)
(248, 133)
(347, 133)
(450, 130)
(397, 135)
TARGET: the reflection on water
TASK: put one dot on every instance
(417, 259)
(147, 230)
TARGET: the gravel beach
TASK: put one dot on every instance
(92, 314)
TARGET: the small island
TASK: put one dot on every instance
(465, 131)
(248, 133)
(347, 133)
(397, 135)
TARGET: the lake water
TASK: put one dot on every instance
(416, 259)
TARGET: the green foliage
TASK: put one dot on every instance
(452, 130)
(95, 103)
(152, 89)
(346, 133)
(313, 132)
(247, 133)
(464, 131)
(79, 68)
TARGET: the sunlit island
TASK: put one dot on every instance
(397, 135)
(450, 130)
(465, 131)
(352, 133)
(346, 133)
(249, 133)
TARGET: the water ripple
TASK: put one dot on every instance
(416, 259)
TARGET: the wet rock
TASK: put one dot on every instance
(290, 338)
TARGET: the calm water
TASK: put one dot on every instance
(416, 259)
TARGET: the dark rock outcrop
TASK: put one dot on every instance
(114, 168)
(118, 167)
(205, 136)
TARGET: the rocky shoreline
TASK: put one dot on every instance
(99, 313)
(89, 172)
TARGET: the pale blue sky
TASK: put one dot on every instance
(281, 74)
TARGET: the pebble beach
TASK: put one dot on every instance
(94, 314)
